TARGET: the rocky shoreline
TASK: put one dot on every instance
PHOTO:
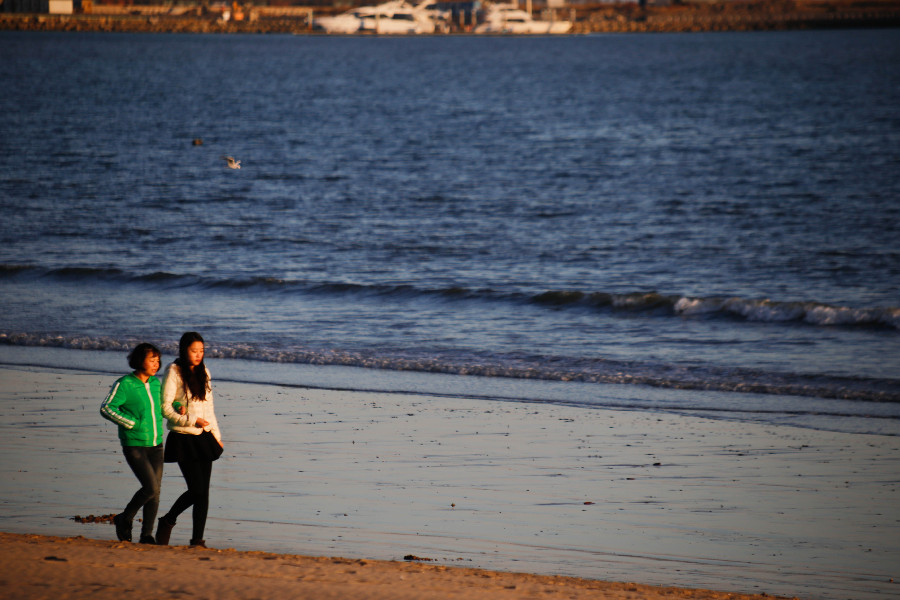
(731, 15)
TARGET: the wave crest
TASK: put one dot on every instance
(769, 311)
(816, 313)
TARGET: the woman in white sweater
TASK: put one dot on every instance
(194, 440)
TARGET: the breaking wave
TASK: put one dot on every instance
(815, 313)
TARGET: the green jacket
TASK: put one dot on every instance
(135, 407)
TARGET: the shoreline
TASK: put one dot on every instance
(787, 15)
(601, 495)
(38, 566)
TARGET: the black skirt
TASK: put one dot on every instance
(187, 447)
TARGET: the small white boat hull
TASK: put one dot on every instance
(509, 19)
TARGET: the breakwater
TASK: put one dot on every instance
(738, 16)
(139, 23)
(715, 16)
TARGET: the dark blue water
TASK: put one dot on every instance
(693, 212)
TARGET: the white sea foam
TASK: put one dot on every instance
(547, 368)
(777, 312)
(697, 306)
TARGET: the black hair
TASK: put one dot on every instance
(195, 380)
(137, 356)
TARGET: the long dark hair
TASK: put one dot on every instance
(195, 380)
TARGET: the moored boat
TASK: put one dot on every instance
(396, 17)
(510, 19)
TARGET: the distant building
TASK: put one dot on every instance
(53, 7)
(60, 7)
(461, 12)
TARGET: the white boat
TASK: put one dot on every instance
(440, 18)
(509, 18)
(347, 22)
(396, 17)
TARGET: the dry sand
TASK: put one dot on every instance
(35, 567)
(659, 498)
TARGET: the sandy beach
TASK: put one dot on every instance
(476, 489)
(60, 568)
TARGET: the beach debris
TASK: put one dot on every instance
(197, 142)
(232, 162)
(418, 558)
(588, 503)
(94, 518)
(56, 558)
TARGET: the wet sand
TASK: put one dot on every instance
(602, 495)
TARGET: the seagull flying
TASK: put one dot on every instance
(232, 164)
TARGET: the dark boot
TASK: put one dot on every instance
(123, 528)
(198, 543)
(147, 539)
(164, 531)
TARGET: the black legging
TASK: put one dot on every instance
(197, 474)
(147, 464)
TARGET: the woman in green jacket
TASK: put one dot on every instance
(134, 405)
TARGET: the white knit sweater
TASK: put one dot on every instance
(173, 391)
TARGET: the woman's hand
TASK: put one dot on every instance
(201, 423)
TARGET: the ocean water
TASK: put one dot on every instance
(707, 221)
